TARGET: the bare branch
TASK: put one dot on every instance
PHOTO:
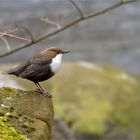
(47, 20)
(77, 8)
(10, 31)
(76, 21)
(13, 36)
(122, 2)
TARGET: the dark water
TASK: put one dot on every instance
(112, 38)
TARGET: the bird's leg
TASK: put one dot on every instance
(42, 90)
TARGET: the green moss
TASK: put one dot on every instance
(8, 89)
(10, 122)
(2, 113)
(89, 99)
(8, 132)
(27, 112)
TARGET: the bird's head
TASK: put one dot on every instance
(53, 51)
(57, 50)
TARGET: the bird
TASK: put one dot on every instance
(40, 67)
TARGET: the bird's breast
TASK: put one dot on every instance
(55, 64)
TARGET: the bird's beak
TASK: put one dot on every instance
(65, 51)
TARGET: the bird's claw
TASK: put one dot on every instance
(47, 94)
(44, 93)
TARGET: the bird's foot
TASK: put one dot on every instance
(44, 93)
(47, 94)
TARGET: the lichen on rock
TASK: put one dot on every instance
(27, 114)
(8, 132)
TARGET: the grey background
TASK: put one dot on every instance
(112, 38)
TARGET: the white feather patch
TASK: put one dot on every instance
(56, 62)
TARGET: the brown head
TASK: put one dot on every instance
(52, 52)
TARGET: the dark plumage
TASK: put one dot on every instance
(35, 69)
(38, 67)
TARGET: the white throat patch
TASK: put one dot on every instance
(56, 62)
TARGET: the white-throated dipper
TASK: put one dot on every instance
(40, 67)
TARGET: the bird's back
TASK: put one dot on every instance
(35, 69)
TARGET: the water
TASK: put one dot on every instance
(112, 38)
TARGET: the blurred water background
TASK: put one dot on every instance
(112, 38)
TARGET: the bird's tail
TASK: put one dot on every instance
(4, 72)
(7, 72)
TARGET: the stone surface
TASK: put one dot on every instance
(30, 112)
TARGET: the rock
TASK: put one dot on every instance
(28, 111)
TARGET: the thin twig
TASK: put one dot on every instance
(12, 30)
(77, 8)
(9, 32)
(6, 43)
(5, 40)
(76, 21)
(13, 36)
(27, 31)
(60, 20)
(47, 20)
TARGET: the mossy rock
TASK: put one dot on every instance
(8, 132)
(27, 113)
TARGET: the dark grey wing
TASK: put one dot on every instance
(18, 69)
(38, 65)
